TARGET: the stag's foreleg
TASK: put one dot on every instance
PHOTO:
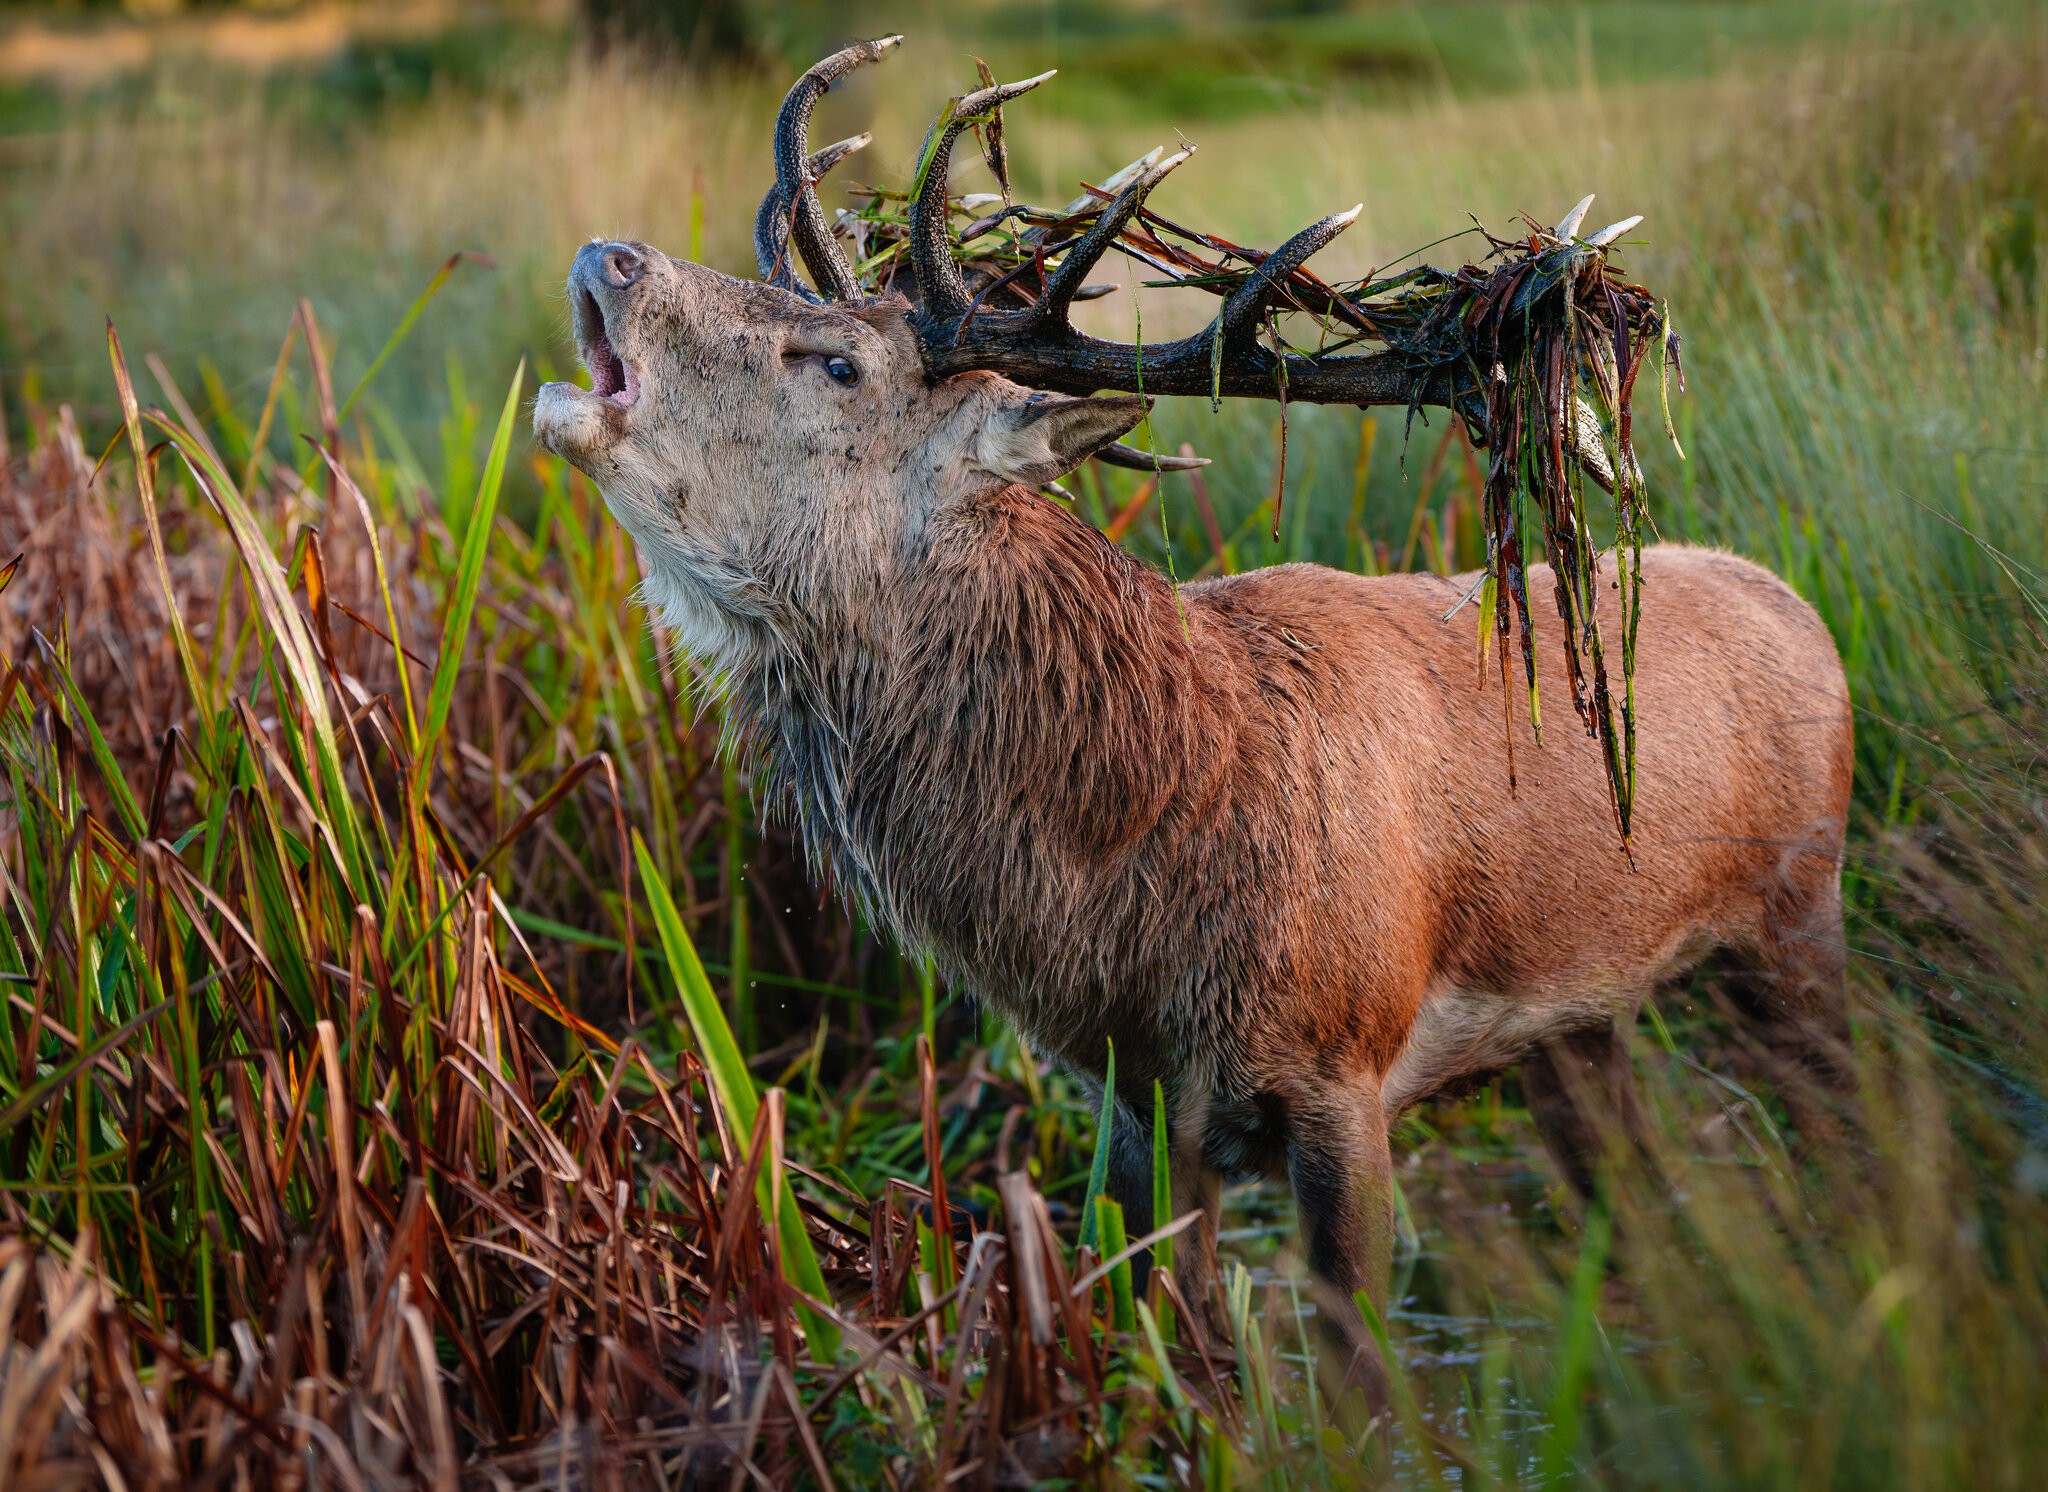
(1343, 1179)
(1195, 1186)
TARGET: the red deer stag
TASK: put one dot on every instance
(1261, 832)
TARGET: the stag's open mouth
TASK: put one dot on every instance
(611, 376)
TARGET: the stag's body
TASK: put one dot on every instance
(1263, 837)
(1274, 819)
(1262, 832)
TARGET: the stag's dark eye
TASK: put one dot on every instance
(842, 371)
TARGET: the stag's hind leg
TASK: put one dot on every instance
(1790, 999)
(1581, 1092)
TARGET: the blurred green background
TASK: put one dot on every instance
(192, 169)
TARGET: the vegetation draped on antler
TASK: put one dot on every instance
(1536, 348)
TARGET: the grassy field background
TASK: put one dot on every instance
(319, 953)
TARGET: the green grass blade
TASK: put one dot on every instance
(1575, 1352)
(931, 147)
(731, 1083)
(1162, 1181)
(1156, 1340)
(1098, 1167)
(102, 754)
(1218, 1468)
(145, 486)
(733, 1087)
(404, 328)
(738, 975)
(1109, 1223)
(468, 580)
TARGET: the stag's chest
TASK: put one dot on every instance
(1079, 942)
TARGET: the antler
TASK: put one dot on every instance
(1239, 354)
(791, 210)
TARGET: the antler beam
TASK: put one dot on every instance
(1065, 361)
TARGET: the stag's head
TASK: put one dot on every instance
(763, 442)
(738, 429)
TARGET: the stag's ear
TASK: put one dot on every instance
(1046, 436)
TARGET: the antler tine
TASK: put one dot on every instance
(1113, 183)
(796, 183)
(1116, 453)
(1064, 283)
(771, 223)
(941, 289)
(1568, 226)
(1613, 231)
(1247, 304)
(818, 162)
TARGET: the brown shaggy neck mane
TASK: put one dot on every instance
(1022, 770)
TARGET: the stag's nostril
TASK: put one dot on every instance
(622, 266)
